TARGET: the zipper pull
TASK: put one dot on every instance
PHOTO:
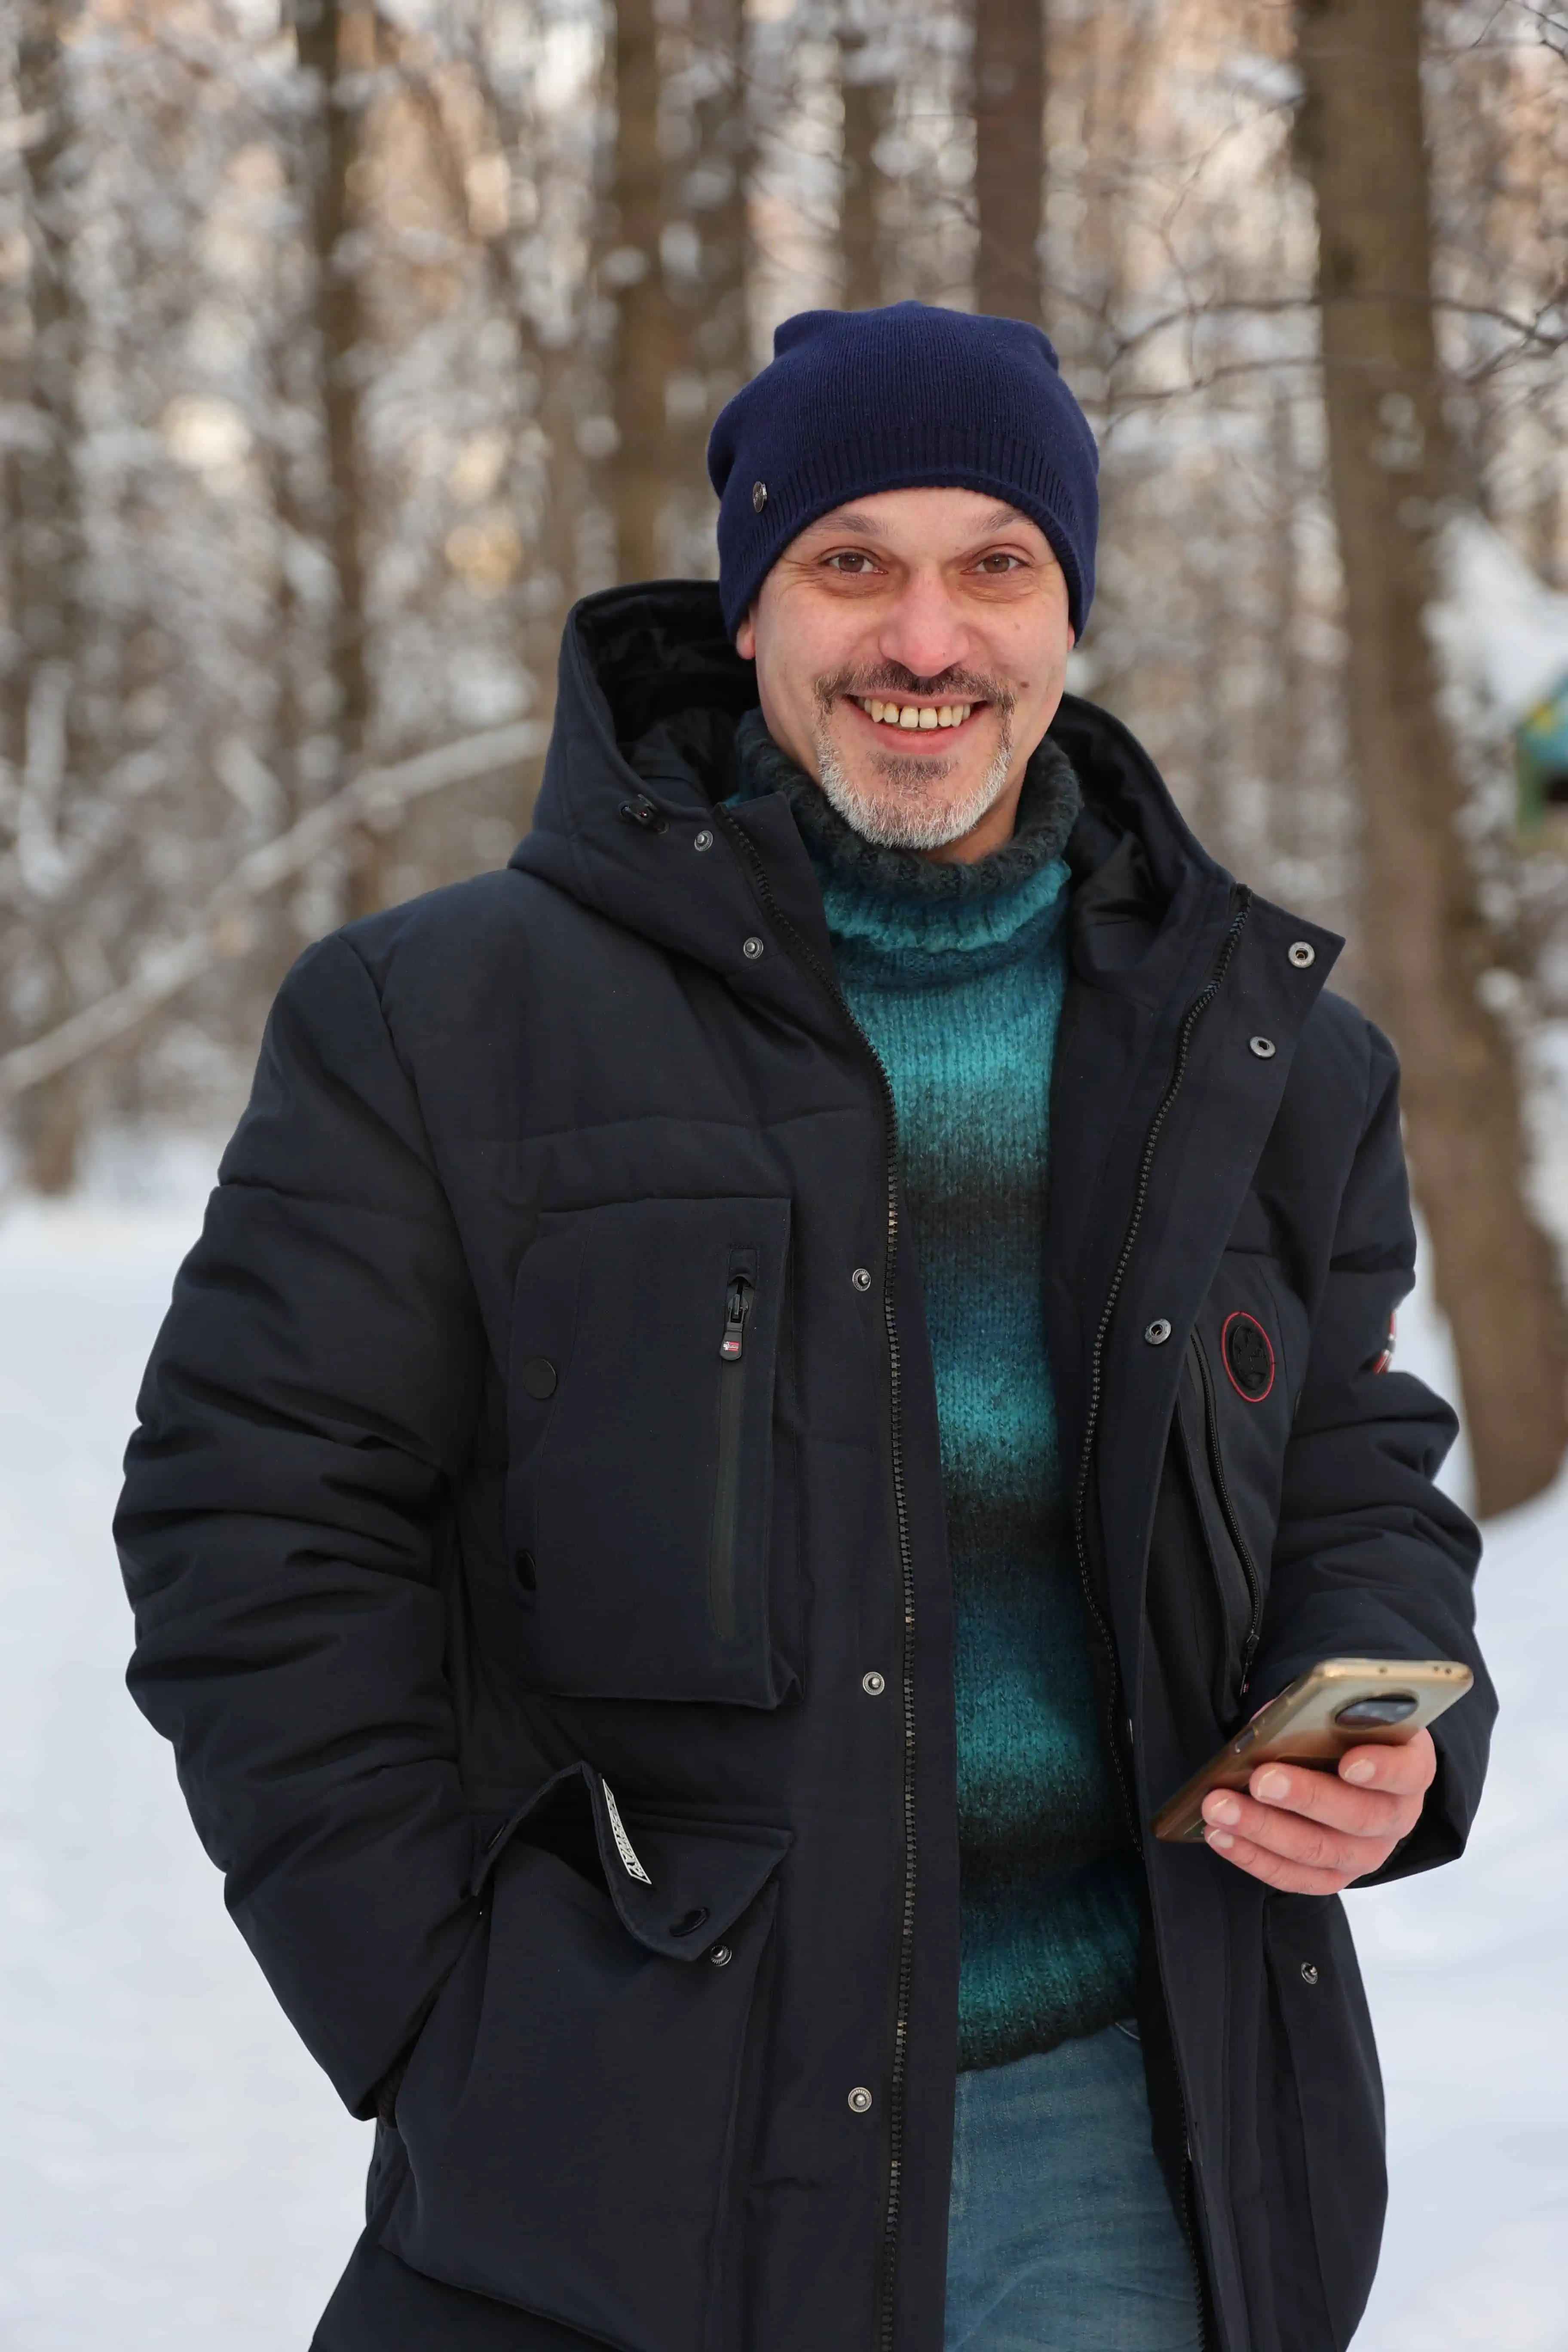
(737, 1306)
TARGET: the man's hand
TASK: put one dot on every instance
(1310, 1833)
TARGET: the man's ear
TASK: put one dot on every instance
(746, 635)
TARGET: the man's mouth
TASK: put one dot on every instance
(910, 718)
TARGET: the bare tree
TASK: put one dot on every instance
(1009, 155)
(1428, 947)
(335, 39)
(638, 471)
(41, 734)
(864, 99)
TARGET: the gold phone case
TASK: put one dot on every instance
(1306, 1725)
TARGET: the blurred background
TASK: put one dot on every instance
(342, 346)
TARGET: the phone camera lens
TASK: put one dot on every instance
(1376, 1714)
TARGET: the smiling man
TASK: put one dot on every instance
(758, 1388)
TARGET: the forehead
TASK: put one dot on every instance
(924, 522)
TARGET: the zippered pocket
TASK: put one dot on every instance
(645, 1516)
(734, 1370)
(1236, 1577)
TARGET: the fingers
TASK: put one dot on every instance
(1406, 1772)
(1275, 1869)
(1312, 1833)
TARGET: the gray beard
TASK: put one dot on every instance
(902, 815)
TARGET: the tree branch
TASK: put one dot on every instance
(375, 799)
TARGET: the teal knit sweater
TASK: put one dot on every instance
(956, 974)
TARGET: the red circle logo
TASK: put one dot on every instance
(1248, 1354)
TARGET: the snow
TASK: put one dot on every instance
(1499, 627)
(176, 2173)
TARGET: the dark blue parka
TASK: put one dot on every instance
(535, 1535)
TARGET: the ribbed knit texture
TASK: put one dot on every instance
(956, 973)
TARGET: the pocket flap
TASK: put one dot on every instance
(679, 1886)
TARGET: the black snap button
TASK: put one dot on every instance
(1308, 1973)
(522, 1567)
(538, 1377)
(721, 1955)
(759, 496)
(861, 1277)
(1303, 954)
(688, 1922)
(1264, 1047)
(1159, 1331)
(704, 840)
(643, 814)
(751, 948)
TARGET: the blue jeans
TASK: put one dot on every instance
(1062, 2236)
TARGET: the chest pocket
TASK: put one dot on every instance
(644, 1516)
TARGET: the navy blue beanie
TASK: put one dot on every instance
(909, 397)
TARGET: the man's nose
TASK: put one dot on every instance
(924, 632)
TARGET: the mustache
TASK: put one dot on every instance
(891, 678)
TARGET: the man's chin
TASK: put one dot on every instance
(908, 804)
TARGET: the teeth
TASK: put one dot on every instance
(913, 715)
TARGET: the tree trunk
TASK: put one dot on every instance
(332, 39)
(638, 474)
(708, 327)
(1009, 155)
(40, 730)
(865, 103)
(1427, 947)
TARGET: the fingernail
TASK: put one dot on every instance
(1224, 1809)
(1273, 1783)
(1221, 1838)
(1361, 1769)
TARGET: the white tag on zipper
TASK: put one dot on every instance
(623, 1846)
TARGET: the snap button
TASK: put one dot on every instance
(1308, 1973)
(539, 1378)
(704, 840)
(522, 1568)
(1159, 1331)
(1264, 1047)
(759, 496)
(859, 2100)
(689, 1922)
(721, 1955)
(873, 1684)
(1301, 953)
(753, 948)
(644, 813)
(861, 1277)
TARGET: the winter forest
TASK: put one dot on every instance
(343, 344)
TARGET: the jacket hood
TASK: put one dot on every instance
(650, 691)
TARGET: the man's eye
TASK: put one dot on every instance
(999, 562)
(851, 561)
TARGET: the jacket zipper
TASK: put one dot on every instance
(1114, 1706)
(1228, 1513)
(734, 1361)
(898, 2078)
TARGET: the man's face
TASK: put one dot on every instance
(910, 652)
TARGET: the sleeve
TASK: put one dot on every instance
(285, 1521)
(1373, 1559)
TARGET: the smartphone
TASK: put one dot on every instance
(1342, 1703)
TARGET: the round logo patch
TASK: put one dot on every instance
(1248, 1356)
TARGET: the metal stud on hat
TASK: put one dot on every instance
(759, 496)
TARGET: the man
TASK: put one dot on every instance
(757, 1389)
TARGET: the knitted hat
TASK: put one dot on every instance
(908, 397)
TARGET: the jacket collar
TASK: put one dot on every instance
(650, 691)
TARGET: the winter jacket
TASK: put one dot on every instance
(560, 1670)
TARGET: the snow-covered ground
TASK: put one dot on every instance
(175, 2172)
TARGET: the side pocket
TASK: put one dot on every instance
(1238, 1582)
(568, 2112)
